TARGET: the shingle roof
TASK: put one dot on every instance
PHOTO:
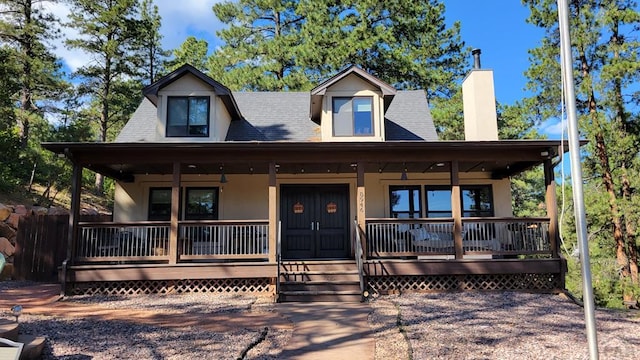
(284, 116)
(408, 117)
(142, 125)
(273, 116)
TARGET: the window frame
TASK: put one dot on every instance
(188, 125)
(183, 212)
(150, 215)
(478, 213)
(412, 210)
(427, 189)
(216, 203)
(353, 117)
(463, 188)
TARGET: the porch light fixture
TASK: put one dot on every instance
(403, 176)
(223, 179)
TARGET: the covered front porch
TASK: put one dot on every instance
(243, 253)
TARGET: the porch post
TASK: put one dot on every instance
(72, 234)
(175, 213)
(456, 210)
(361, 215)
(76, 186)
(552, 206)
(273, 226)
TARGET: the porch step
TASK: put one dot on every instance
(319, 281)
(320, 296)
(321, 286)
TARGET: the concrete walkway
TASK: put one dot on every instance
(320, 330)
(328, 331)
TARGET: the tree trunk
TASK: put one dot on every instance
(607, 180)
(627, 192)
(26, 92)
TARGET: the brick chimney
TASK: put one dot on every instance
(479, 99)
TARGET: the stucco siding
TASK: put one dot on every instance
(246, 197)
(352, 86)
(189, 85)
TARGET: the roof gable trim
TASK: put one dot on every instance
(386, 89)
(151, 91)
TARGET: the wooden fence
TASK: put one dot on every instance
(41, 245)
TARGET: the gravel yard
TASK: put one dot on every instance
(498, 325)
(488, 325)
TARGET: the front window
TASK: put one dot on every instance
(201, 204)
(188, 116)
(477, 201)
(438, 201)
(160, 204)
(353, 116)
(405, 201)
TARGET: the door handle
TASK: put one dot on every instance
(312, 226)
(317, 225)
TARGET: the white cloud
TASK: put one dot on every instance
(553, 128)
(179, 19)
(187, 17)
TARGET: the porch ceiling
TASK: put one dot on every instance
(125, 160)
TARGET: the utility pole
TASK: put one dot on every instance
(576, 174)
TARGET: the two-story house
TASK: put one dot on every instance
(334, 193)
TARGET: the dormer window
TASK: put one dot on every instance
(188, 116)
(353, 116)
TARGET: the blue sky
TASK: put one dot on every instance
(497, 27)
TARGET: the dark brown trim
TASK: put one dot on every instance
(463, 266)
(456, 210)
(124, 160)
(74, 213)
(86, 273)
(175, 214)
(552, 207)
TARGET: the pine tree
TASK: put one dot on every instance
(108, 34)
(260, 45)
(26, 28)
(153, 57)
(193, 52)
(606, 52)
(294, 44)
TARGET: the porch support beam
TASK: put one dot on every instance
(74, 213)
(175, 213)
(456, 210)
(273, 225)
(361, 214)
(552, 206)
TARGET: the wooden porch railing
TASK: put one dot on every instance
(358, 253)
(148, 241)
(122, 242)
(427, 236)
(202, 240)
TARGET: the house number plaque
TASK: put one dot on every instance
(298, 208)
(332, 208)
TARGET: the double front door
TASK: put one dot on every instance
(315, 221)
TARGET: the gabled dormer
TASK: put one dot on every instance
(191, 106)
(350, 106)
